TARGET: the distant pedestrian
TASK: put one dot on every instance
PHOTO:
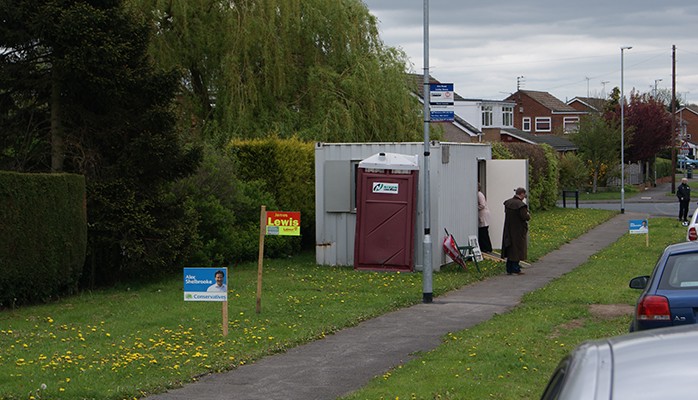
(515, 236)
(483, 222)
(684, 195)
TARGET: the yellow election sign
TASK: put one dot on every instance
(283, 223)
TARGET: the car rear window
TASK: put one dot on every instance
(680, 272)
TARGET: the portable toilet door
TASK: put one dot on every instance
(386, 212)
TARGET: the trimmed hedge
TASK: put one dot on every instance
(286, 166)
(663, 167)
(43, 236)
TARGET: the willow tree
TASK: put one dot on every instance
(316, 69)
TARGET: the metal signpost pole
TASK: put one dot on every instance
(427, 290)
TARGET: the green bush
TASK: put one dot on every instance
(500, 151)
(228, 213)
(134, 234)
(543, 170)
(573, 172)
(43, 236)
(286, 168)
(663, 167)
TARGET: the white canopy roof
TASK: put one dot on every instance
(392, 161)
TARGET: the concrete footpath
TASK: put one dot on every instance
(346, 361)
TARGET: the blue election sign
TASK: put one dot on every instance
(636, 226)
(205, 284)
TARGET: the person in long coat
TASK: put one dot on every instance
(515, 236)
(683, 192)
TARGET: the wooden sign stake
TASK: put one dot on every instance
(225, 318)
(262, 232)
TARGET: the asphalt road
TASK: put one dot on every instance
(655, 202)
(651, 209)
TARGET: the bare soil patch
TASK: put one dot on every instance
(598, 311)
(610, 311)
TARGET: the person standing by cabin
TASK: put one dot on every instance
(515, 235)
(483, 222)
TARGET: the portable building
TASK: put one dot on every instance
(454, 172)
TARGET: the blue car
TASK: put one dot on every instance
(684, 161)
(670, 294)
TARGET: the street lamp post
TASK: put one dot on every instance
(427, 273)
(622, 133)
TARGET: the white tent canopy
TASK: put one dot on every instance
(392, 161)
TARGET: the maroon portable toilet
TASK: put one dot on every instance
(386, 190)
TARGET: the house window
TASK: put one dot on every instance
(486, 115)
(570, 124)
(508, 116)
(543, 124)
(526, 124)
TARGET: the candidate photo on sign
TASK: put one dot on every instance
(220, 285)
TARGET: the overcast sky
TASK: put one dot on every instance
(565, 48)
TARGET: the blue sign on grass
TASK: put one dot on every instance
(205, 284)
(638, 226)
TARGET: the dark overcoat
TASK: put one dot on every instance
(683, 192)
(515, 236)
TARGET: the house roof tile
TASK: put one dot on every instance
(559, 143)
(549, 101)
(594, 103)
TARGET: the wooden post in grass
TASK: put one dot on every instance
(262, 232)
(225, 318)
(647, 234)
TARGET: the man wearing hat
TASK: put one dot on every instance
(515, 236)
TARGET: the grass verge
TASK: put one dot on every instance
(130, 341)
(512, 355)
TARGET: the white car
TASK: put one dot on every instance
(648, 365)
(692, 231)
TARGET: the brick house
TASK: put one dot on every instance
(480, 120)
(541, 113)
(687, 117)
(476, 120)
(592, 105)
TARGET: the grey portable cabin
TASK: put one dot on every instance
(454, 169)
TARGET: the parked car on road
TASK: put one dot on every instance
(670, 295)
(692, 230)
(656, 364)
(683, 161)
